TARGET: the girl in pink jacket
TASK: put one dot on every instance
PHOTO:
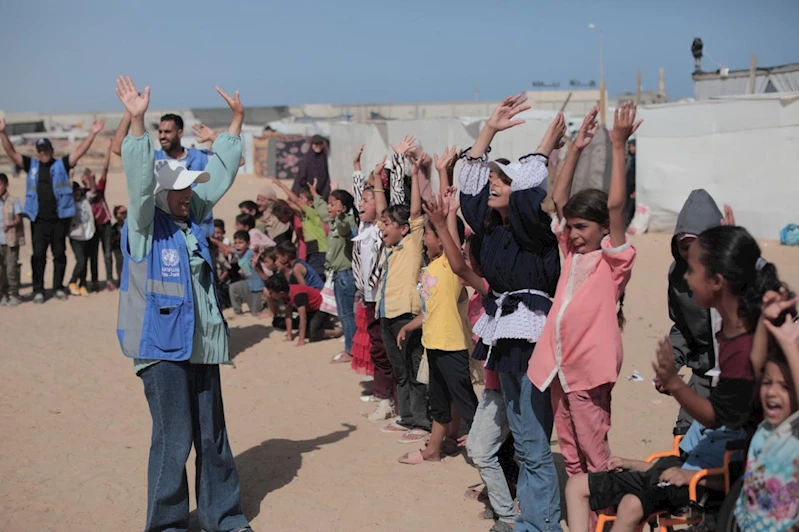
(579, 354)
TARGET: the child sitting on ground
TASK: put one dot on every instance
(250, 288)
(298, 271)
(724, 272)
(314, 325)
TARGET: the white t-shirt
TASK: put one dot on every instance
(82, 226)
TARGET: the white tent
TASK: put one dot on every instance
(742, 150)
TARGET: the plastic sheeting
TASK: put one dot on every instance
(742, 151)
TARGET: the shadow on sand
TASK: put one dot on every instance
(242, 338)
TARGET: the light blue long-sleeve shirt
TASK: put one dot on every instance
(138, 157)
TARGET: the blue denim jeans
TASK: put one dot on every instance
(186, 406)
(344, 288)
(489, 431)
(530, 419)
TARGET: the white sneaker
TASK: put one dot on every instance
(383, 411)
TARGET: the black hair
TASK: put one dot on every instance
(283, 211)
(246, 220)
(590, 204)
(170, 117)
(733, 253)
(348, 201)
(219, 224)
(241, 235)
(278, 284)
(287, 249)
(475, 242)
(305, 192)
(117, 208)
(269, 253)
(4, 179)
(461, 230)
(249, 205)
(399, 214)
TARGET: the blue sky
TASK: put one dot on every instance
(64, 56)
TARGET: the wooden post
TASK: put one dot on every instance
(638, 88)
(752, 75)
(566, 102)
(602, 103)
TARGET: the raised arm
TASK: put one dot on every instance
(563, 184)
(624, 125)
(775, 307)
(76, 155)
(438, 213)
(319, 204)
(787, 336)
(356, 163)
(447, 194)
(379, 191)
(138, 159)
(500, 120)
(225, 165)
(106, 161)
(416, 196)
(15, 157)
(291, 197)
(121, 133)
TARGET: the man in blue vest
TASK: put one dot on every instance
(171, 324)
(49, 205)
(170, 134)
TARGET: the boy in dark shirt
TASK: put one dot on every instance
(307, 301)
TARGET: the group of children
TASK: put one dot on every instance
(419, 302)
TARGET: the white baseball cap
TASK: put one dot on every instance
(507, 169)
(171, 175)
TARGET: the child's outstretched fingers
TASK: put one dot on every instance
(729, 216)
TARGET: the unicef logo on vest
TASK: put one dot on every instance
(169, 263)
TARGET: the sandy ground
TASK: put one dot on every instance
(76, 428)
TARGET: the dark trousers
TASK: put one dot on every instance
(186, 406)
(9, 271)
(411, 394)
(118, 263)
(318, 321)
(383, 386)
(451, 382)
(102, 235)
(81, 249)
(52, 234)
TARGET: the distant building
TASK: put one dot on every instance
(726, 82)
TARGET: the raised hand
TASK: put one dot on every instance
(775, 304)
(408, 145)
(313, 187)
(553, 138)
(234, 103)
(437, 210)
(452, 199)
(787, 334)
(502, 117)
(203, 133)
(624, 124)
(358, 155)
(136, 104)
(377, 173)
(587, 130)
(97, 126)
(664, 366)
(729, 216)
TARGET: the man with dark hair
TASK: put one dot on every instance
(170, 134)
(49, 204)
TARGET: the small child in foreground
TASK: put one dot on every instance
(769, 498)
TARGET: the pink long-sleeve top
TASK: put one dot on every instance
(581, 343)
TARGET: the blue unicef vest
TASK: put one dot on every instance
(156, 300)
(62, 189)
(195, 160)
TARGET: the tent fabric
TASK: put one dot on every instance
(741, 150)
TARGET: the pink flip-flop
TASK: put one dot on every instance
(413, 458)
